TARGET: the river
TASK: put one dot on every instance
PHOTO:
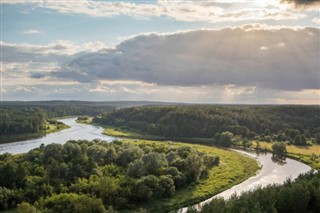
(76, 132)
(271, 172)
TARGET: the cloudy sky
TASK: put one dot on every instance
(201, 51)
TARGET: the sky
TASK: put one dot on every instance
(201, 51)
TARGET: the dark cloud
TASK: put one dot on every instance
(303, 3)
(37, 75)
(284, 58)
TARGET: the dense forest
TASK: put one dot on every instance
(82, 174)
(19, 117)
(299, 196)
(15, 121)
(294, 124)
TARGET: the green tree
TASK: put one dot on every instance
(224, 139)
(70, 203)
(279, 148)
(25, 207)
(136, 169)
(154, 162)
(317, 138)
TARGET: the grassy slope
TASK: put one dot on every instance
(307, 154)
(233, 169)
(50, 128)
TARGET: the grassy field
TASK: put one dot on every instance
(233, 169)
(85, 121)
(306, 154)
(50, 128)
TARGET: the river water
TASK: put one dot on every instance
(270, 173)
(76, 132)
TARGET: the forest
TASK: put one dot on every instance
(17, 118)
(83, 174)
(295, 124)
(19, 121)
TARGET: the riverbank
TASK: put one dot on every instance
(232, 175)
(309, 155)
(50, 128)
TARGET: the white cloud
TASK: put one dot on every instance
(22, 61)
(256, 56)
(316, 20)
(33, 31)
(152, 92)
(204, 11)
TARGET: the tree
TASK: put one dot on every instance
(279, 148)
(168, 185)
(297, 140)
(318, 138)
(154, 162)
(225, 139)
(25, 207)
(70, 203)
(136, 169)
(267, 132)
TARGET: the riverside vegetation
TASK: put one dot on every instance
(242, 126)
(83, 176)
(79, 176)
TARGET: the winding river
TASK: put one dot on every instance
(271, 172)
(76, 132)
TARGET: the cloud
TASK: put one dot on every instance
(304, 4)
(33, 31)
(316, 20)
(202, 11)
(251, 55)
(22, 61)
(134, 90)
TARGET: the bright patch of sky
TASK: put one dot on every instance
(88, 43)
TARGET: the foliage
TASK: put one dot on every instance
(70, 203)
(21, 121)
(279, 148)
(278, 123)
(82, 176)
(301, 195)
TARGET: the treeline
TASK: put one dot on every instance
(281, 123)
(299, 196)
(31, 117)
(62, 108)
(14, 121)
(82, 174)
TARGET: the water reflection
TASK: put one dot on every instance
(272, 172)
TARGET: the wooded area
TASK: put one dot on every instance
(294, 124)
(121, 175)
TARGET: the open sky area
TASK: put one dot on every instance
(201, 51)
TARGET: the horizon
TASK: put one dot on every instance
(163, 103)
(219, 52)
